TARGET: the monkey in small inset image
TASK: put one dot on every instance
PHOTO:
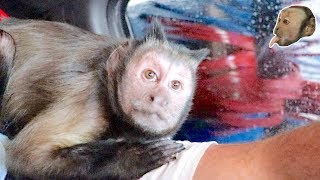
(80, 105)
(293, 23)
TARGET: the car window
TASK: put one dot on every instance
(246, 90)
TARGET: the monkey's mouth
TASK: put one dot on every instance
(274, 40)
(148, 113)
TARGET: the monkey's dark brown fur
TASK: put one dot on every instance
(71, 109)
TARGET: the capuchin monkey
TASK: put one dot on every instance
(293, 23)
(80, 105)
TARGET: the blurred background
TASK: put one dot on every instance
(245, 91)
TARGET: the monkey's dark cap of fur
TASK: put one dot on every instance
(156, 31)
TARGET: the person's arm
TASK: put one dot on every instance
(293, 155)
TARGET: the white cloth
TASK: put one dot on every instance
(184, 166)
(3, 169)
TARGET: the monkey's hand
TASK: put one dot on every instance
(139, 158)
(120, 160)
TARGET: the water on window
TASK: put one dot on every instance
(246, 90)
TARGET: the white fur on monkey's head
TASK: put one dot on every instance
(157, 37)
(158, 83)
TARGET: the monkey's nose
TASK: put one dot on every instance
(159, 100)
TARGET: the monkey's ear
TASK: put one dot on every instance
(7, 47)
(199, 55)
(310, 27)
(117, 57)
(156, 31)
(7, 51)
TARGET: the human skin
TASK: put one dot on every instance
(293, 155)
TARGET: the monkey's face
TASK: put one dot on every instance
(288, 27)
(156, 91)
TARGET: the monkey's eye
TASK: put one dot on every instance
(176, 85)
(149, 74)
(285, 21)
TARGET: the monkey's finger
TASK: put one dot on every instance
(165, 147)
(157, 144)
(156, 140)
(160, 158)
(159, 162)
(153, 164)
(168, 152)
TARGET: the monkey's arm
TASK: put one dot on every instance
(61, 142)
(119, 160)
(105, 159)
(293, 155)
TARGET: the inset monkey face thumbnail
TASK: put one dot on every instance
(293, 23)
